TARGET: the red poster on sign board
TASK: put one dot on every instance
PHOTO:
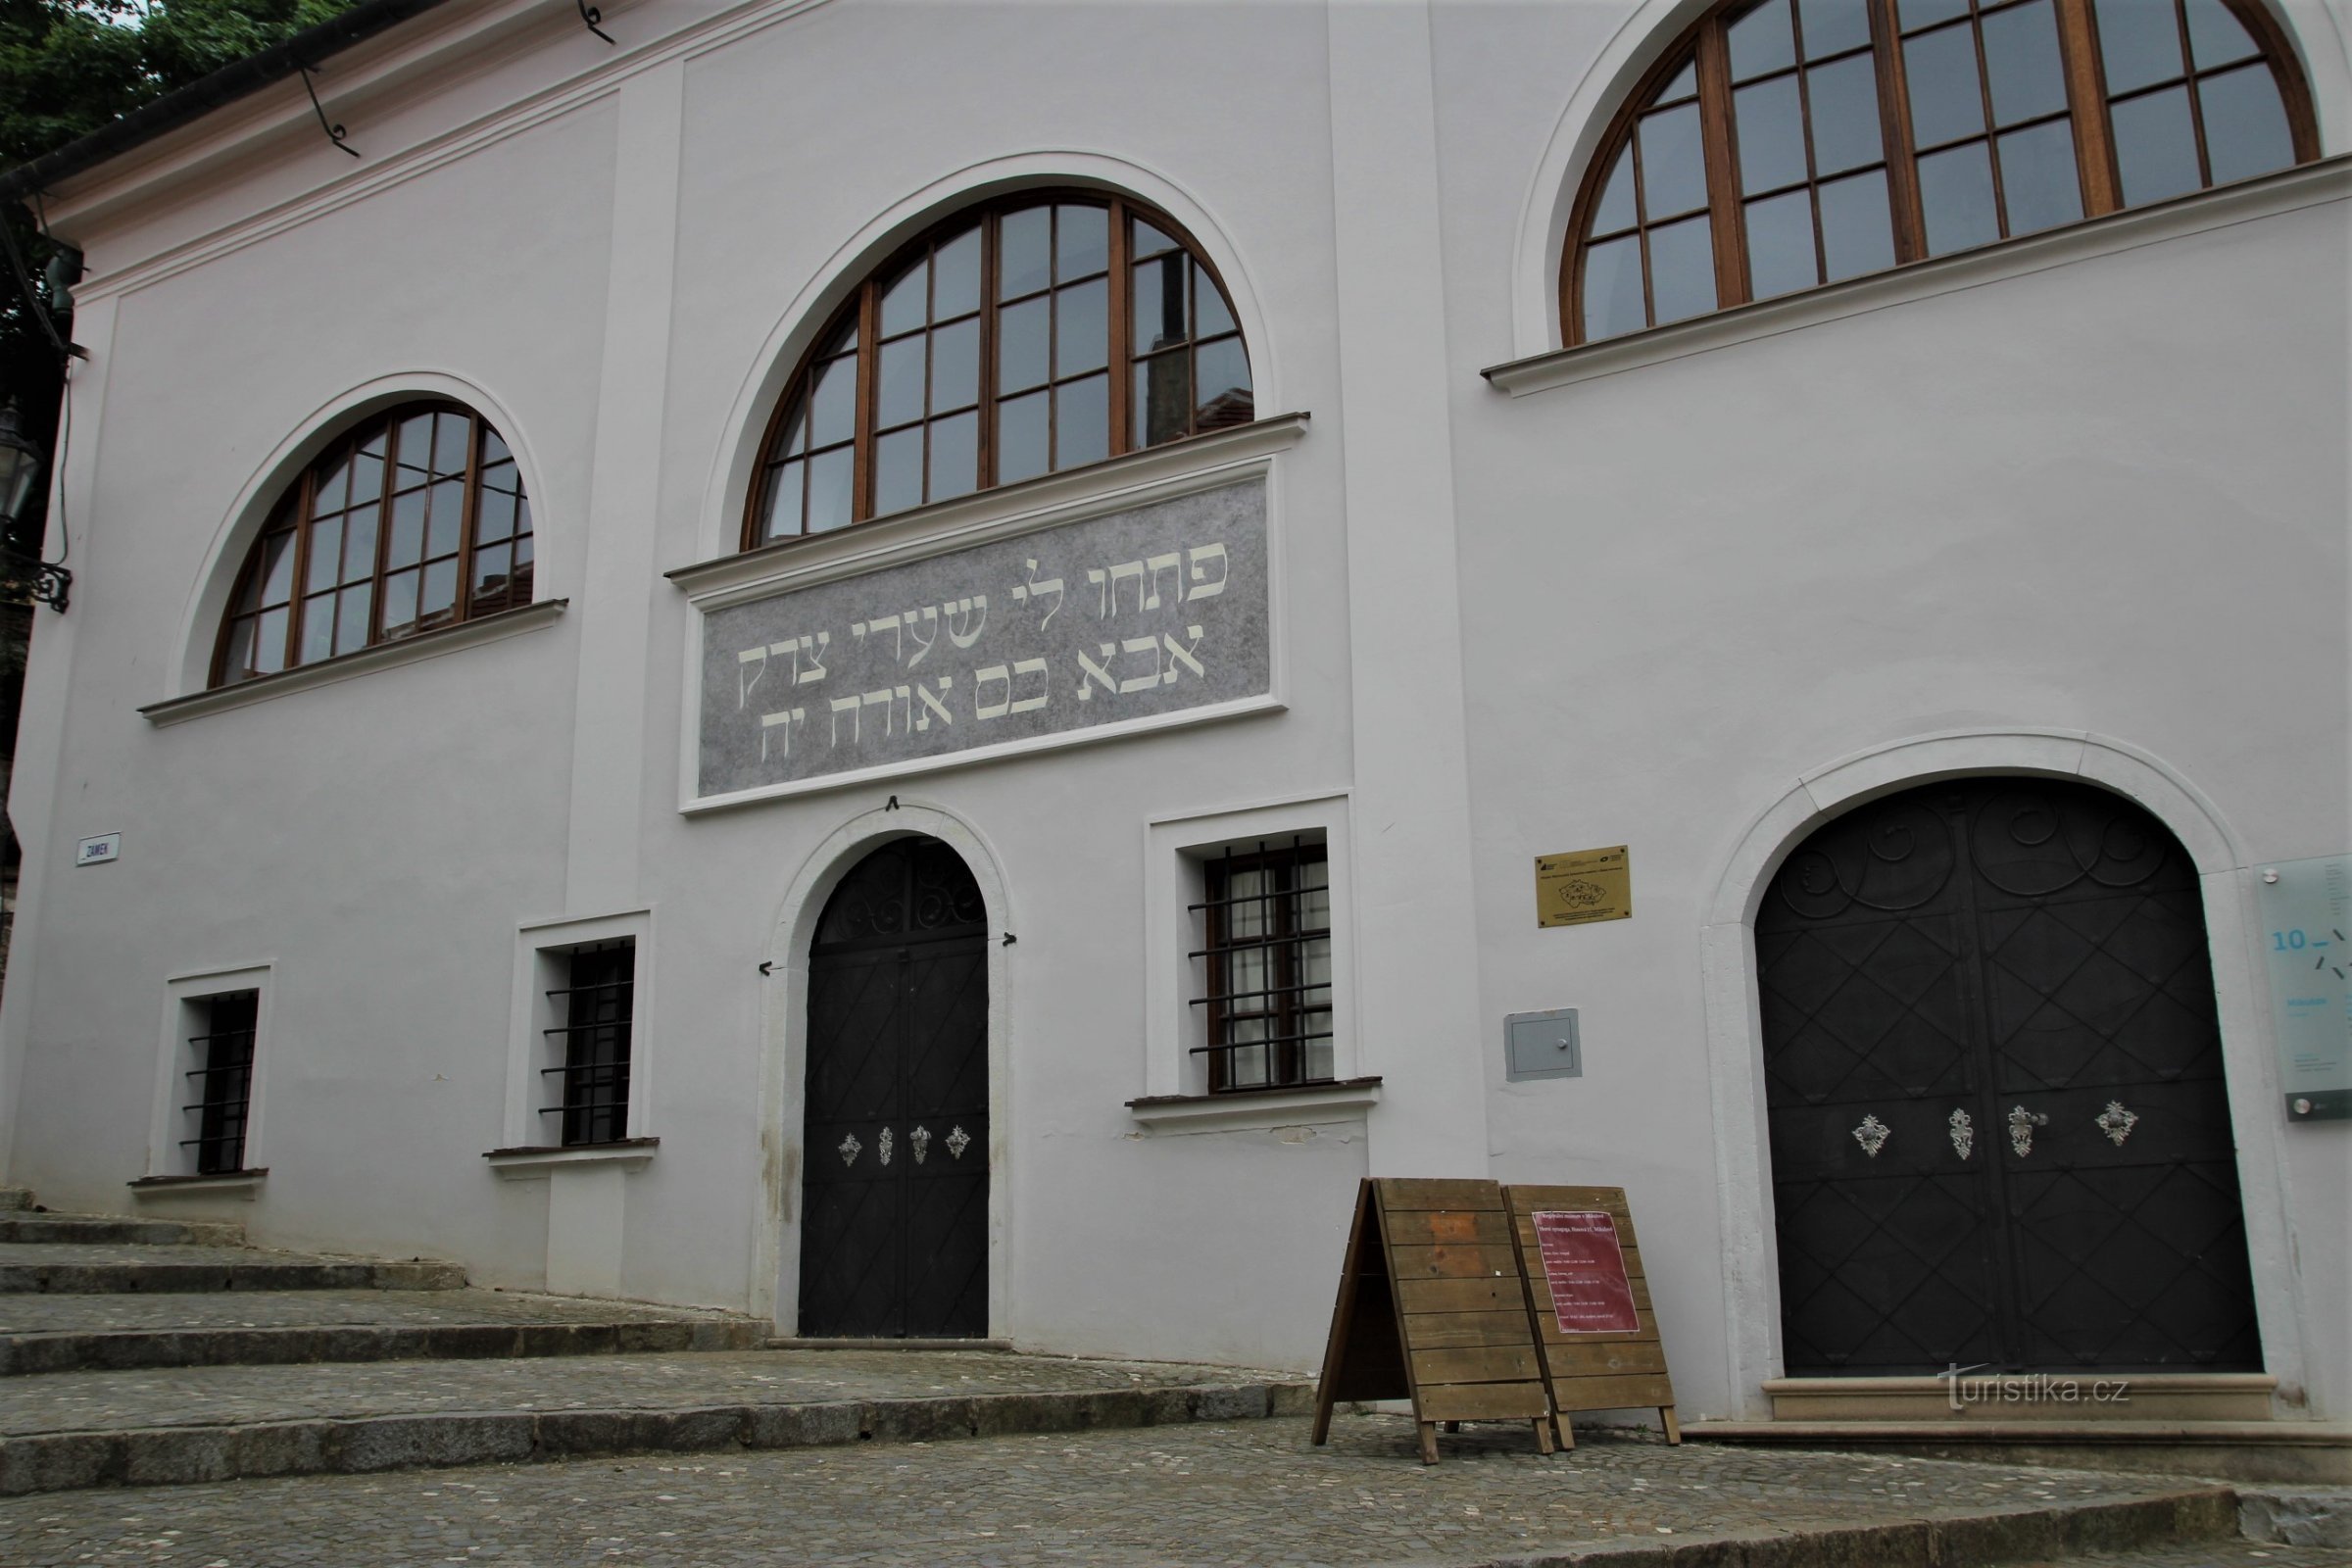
(1585, 1268)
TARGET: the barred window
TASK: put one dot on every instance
(1266, 963)
(588, 1079)
(221, 1080)
(414, 520)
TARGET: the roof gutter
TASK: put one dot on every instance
(201, 97)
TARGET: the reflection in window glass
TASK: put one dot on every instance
(1682, 269)
(2155, 146)
(2245, 123)
(2039, 186)
(1955, 196)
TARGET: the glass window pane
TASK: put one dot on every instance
(494, 449)
(493, 516)
(898, 470)
(1761, 42)
(351, 619)
(400, 604)
(237, 662)
(955, 456)
(1221, 373)
(439, 597)
(1674, 171)
(782, 518)
(407, 529)
(843, 337)
(2020, 57)
(1210, 317)
(1163, 398)
(1149, 241)
(2215, 36)
(1682, 269)
(275, 579)
(1022, 343)
(2038, 181)
(2245, 123)
(904, 304)
(2140, 43)
(1916, 14)
(829, 490)
(489, 587)
(1081, 241)
(269, 642)
(834, 407)
(368, 473)
(1082, 328)
(1024, 252)
(1771, 131)
(796, 426)
(522, 518)
(1846, 133)
(1082, 421)
(1832, 26)
(956, 277)
(450, 434)
(326, 555)
(1945, 100)
(2155, 146)
(1021, 438)
(448, 511)
(413, 449)
(332, 492)
(1159, 318)
(1684, 85)
(1613, 301)
(956, 366)
(318, 628)
(1780, 244)
(1615, 208)
(899, 374)
(1857, 232)
(359, 543)
(1956, 189)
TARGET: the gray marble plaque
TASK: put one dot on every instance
(1138, 615)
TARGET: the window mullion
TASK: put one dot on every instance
(1721, 165)
(302, 565)
(1894, 130)
(468, 500)
(985, 477)
(2086, 98)
(1122, 331)
(861, 447)
(383, 526)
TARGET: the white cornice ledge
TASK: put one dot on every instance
(533, 1165)
(1303, 1107)
(2308, 186)
(1133, 480)
(384, 656)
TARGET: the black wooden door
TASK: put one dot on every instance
(894, 1213)
(1999, 1130)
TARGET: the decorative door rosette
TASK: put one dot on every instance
(849, 1148)
(1964, 1133)
(920, 1140)
(2116, 1122)
(958, 1142)
(1872, 1134)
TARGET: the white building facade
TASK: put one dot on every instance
(2038, 544)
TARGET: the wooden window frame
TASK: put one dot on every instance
(1284, 942)
(862, 306)
(2088, 107)
(292, 512)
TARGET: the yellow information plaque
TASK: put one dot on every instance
(1582, 886)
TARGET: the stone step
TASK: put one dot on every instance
(16, 1198)
(90, 1269)
(218, 1423)
(2299, 1516)
(54, 1333)
(2294, 1452)
(116, 1230)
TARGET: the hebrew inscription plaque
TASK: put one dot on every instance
(1140, 614)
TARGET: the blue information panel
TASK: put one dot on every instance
(2307, 945)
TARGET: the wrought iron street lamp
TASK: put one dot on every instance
(23, 577)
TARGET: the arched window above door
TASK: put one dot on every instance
(1786, 144)
(412, 519)
(1032, 334)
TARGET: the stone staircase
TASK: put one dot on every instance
(143, 1351)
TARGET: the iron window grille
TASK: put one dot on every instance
(598, 1007)
(222, 1081)
(1266, 966)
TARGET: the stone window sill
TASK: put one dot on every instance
(231, 1181)
(533, 1161)
(1346, 1101)
(359, 661)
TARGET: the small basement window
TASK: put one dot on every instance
(1265, 967)
(219, 1080)
(585, 1097)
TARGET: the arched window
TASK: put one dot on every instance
(412, 519)
(1778, 147)
(1034, 334)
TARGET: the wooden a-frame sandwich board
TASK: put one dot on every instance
(1432, 1308)
(1597, 1333)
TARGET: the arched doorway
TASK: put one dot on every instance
(894, 1215)
(1999, 1131)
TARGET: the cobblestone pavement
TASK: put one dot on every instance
(2215, 1555)
(1244, 1493)
(37, 1313)
(214, 1396)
